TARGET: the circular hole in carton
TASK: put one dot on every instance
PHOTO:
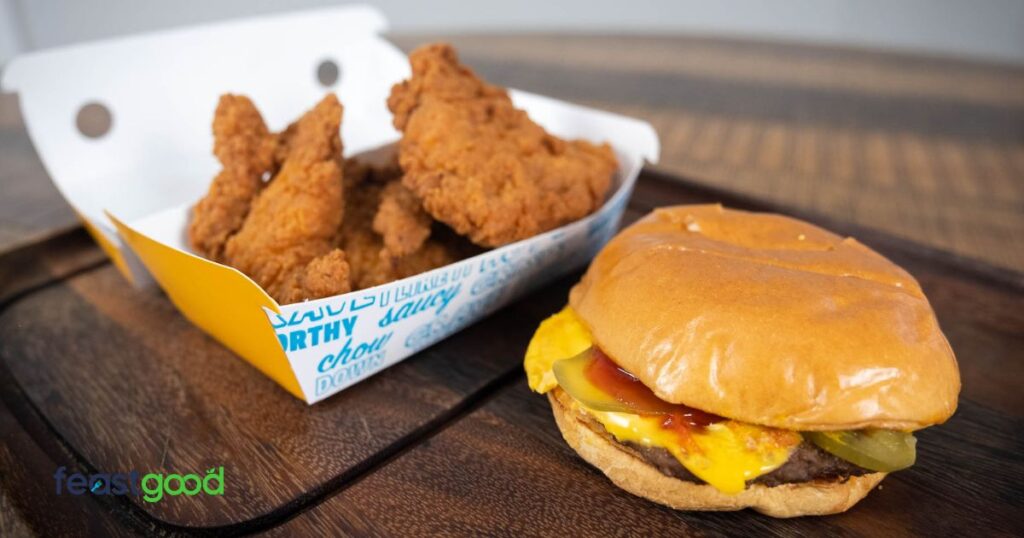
(328, 73)
(94, 120)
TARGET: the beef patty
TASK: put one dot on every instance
(806, 463)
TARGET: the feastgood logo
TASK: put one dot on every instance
(151, 486)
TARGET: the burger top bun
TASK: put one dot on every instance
(770, 320)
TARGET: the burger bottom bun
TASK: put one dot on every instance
(637, 477)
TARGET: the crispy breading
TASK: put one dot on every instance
(245, 148)
(480, 165)
(371, 263)
(401, 220)
(287, 242)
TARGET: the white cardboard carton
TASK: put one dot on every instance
(133, 187)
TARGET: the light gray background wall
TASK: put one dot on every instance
(987, 29)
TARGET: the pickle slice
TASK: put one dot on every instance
(875, 450)
(572, 377)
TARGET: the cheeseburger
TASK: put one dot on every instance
(713, 359)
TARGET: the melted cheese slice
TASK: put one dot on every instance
(559, 337)
(725, 455)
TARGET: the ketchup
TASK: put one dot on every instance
(626, 388)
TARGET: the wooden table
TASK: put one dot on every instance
(96, 376)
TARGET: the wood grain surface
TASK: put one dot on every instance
(100, 376)
(31, 208)
(505, 470)
(128, 382)
(97, 376)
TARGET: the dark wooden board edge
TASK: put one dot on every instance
(28, 420)
(36, 265)
(39, 265)
(38, 446)
(143, 521)
(39, 451)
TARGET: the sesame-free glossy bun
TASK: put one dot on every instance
(632, 474)
(767, 319)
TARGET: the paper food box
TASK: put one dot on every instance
(134, 187)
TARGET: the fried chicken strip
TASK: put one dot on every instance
(480, 165)
(245, 148)
(287, 242)
(371, 262)
(401, 220)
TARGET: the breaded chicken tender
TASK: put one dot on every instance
(287, 243)
(401, 220)
(480, 165)
(245, 148)
(370, 261)
(471, 171)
